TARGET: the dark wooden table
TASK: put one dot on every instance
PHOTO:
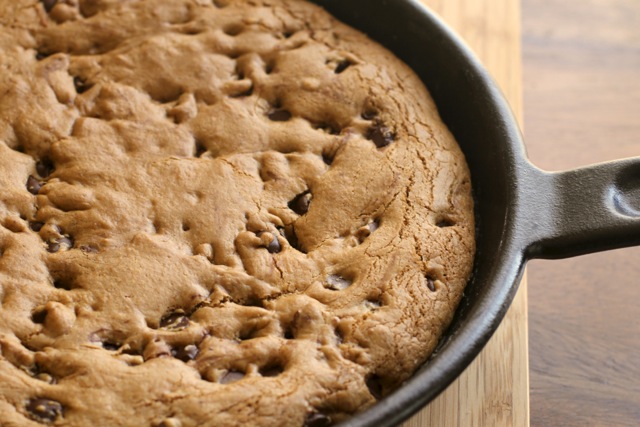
(582, 105)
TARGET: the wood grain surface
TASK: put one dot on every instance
(493, 391)
(582, 106)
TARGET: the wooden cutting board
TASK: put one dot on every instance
(494, 389)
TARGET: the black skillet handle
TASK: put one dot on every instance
(580, 211)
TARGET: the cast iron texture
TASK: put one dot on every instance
(521, 211)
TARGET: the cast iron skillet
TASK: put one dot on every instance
(521, 211)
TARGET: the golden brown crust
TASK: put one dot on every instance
(216, 213)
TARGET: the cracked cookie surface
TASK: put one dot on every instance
(220, 213)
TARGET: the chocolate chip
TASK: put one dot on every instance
(88, 249)
(380, 135)
(80, 84)
(62, 284)
(289, 233)
(271, 371)
(44, 410)
(56, 244)
(342, 65)
(40, 374)
(274, 246)
(431, 284)
(337, 283)
(170, 422)
(49, 4)
(317, 419)
(279, 115)
(44, 167)
(186, 353)
(375, 386)
(200, 149)
(36, 226)
(300, 203)
(40, 56)
(33, 185)
(231, 377)
(327, 158)
(445, 222)
(175, 321)
(110, 345)
(38, 316)
(372, 305)
(369, 115)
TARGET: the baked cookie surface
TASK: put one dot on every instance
(216, 213)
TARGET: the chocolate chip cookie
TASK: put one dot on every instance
(216, 213)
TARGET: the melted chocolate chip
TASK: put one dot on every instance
(317, 419)
(369, 115)
(342, 65)
(44, 410)
(279, 115)
(49, 4)
(271, 371)
(300, 203)
(33, 185)
(62, 284)
(372, 305)
(36, 226)
(327, 158)
(380, 135)
(44, 167)
(175, 321)
(88, 249)
(200, 149)
(445, 222)
(186, 353)
(291, 236)
(59, 243)
(40, 374)
(274, 246)
(38, 316)
(431, 284)
(231, 377)
(110, 345)
(375, 386)
(80, 84)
